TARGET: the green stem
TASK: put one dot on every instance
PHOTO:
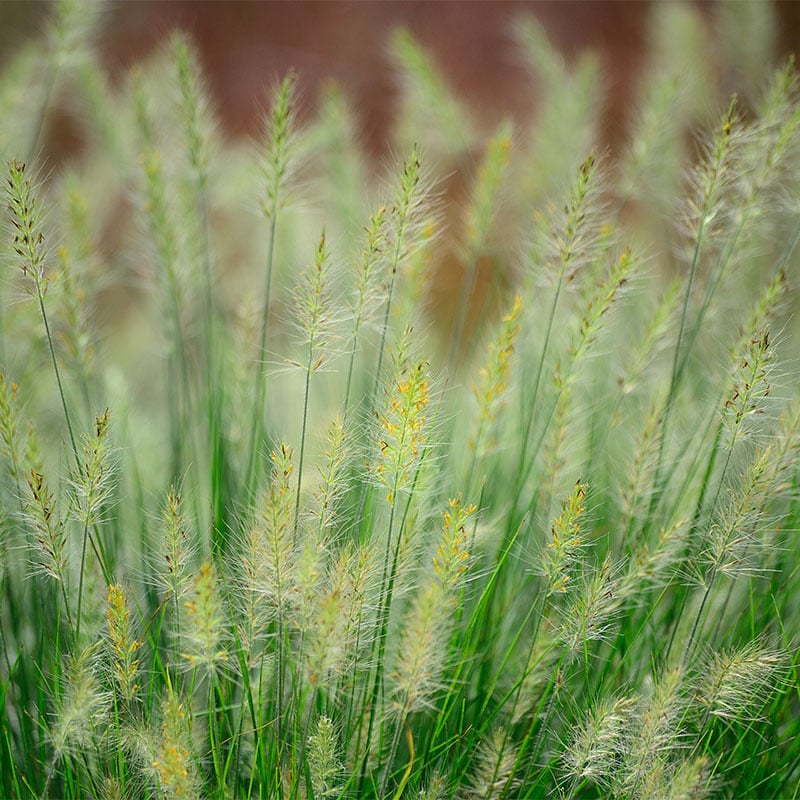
(386, 591)
(351, 365)
(530, 404)
(57, 372)
(84, 539)
(303, 439)
(261, 373)
(393, 750)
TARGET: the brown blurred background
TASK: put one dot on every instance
(245, 45)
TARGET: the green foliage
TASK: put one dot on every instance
(271, 526)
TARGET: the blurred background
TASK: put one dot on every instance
(612, 51)
(245, 45)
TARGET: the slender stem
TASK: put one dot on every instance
(261, 373)
(54, 361)
(213, 394)
(393, 749)
(82, 573)
(679, 364)
(384, 330)
(714, 572)
(530, 404)
(386, 591)
(677, 373)
(687, 650)
(400, 237)
(695, 522)
(86, 534)
(213, 739)
(351, 365)
(303, 439)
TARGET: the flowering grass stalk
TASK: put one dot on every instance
(278, 169)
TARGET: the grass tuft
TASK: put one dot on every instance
(285, 531)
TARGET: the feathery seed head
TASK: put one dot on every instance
(590, 614)
(408, 216)
(323, 759)
(565, 540)
(10, 443)
(738, 684)
(565, 375)
(422, 652)
(157, 206)
(409, 229)
(639, 470)
(648, 170)
(405, 198)
(767, 307)
(174, 765)
(691, 780)
(74, 331)
(403, 428)
(51, 534)
(735, 539)
(270, 553)
(706, 213)
(591, 321)
(575, 234)
(281, 137)
(123, 645)
(92, 485)
(70, 27)
(324, 650)
(595, 748)
(751, 386)
(747, 34)
(340, 626)
(176, 549)
(657, 732)
(308, 581)
(204, 629)
(193, 106)
(427, 100)
(494, 376)
(568, 109)
(436, 788)
(282, 467)
(450, 561)
(651, 563)
(314, 305)
(771, 151)
(83, 706)
(28, 228)
(494, 764)
(372, 257)
(486, 191)
(331, 476)
(654, 340)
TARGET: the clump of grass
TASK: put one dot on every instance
(343, 546)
